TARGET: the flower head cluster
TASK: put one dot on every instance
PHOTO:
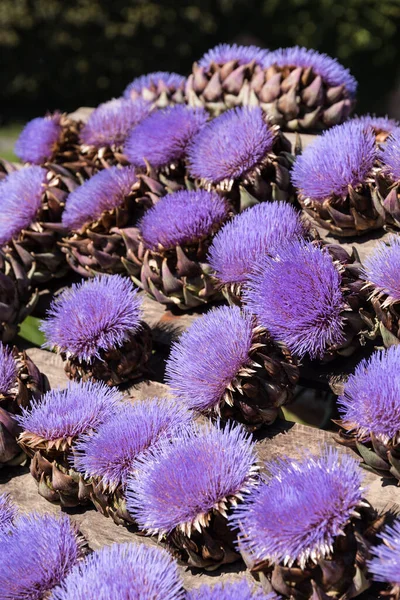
(20, 199)
(371, 399)
(329, 69)
(378, 124)
(8, 512)
(109, 453)
(103, 192)
(8, 370)
(36, 556)
(178, 484)
(248, 237)
(162, 138)
(151, 85)
(67, 413)
(382, 268)
(230, 146)
(93, 316)
(297, 296)
(390, 155)
(209, 355)
(37, 140)
(296, 515)
(123, 572)
(239, 590)
(343, 156)
(224, 53)
(110, 123)
(385, 563)
(183, 217)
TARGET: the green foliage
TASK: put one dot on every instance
(29, 331)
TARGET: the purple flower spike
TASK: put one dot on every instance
(152, 83)
(208, 356)
(123, 572)
(109, 453)
(239, 590)
(78, 408)
(182, 218)
(38, 139)
(230, 145)
(224, 53)
(330, 70)
(296, 515)
(93, 316)
(37, 555)
(382, 267)
(8, 512)
(342, 156)
(371, 399)
(103, 192)
(163, 137)
(179, 484)
(297, 297)
(110, 123)
(390, 156)
(20, 198)
(246, 239)
(8, 370)
(385, 564)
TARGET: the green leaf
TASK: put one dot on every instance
(29, 330)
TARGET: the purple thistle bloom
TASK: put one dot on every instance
(180, 484)
(162, 138)
(152, 83)
(342, 156)
(78, 408)
(378, 123)
(371, 399)
(37, 555)
(385, 564)
(38, 139)
(209, 355)
(110, 123)
(20, 198)
(297, 297)
(296, 515)
(382, 267)
(123, 572)
(224, 53)
(8, 512)
(245, 239)
(92, 316)
(183, 217)
(8, 370)
(239, 590)
(103, 192)
(390, 155)
(109, 453)
(329, 69)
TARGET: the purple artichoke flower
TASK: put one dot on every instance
(37, 555)
(209, 355)
(8, 512)
(110, 123)
(381, 269)
(224, 53)
(67, 413)
(123, 572)
(109, 453)
(385, 564)
(103, 192)
(371, 399)
(162, 138)
(378, 123)
(297, 513)
(38, 139)
(183, 217)
(151, 84)
(230, 146)
(329, 69)
(93, 316)
(178, 485)
(246, 239)
(239, 590)
(20, 198)
(8, 370)
(343, 156)
(390, 155)
(297, 297)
